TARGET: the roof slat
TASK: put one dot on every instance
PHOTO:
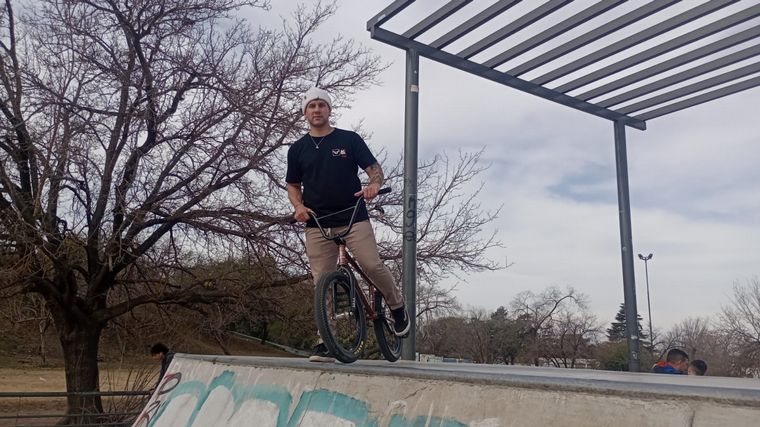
(701, 99)
(389, 12)
(593, 35)
(641, 36)
(554, 31)
(481, 18)
(436, 17)
(513, 27)
(736, 74)
(673, 63)
(682, 76)
(670, 45)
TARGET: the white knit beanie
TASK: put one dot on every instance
(315, 93)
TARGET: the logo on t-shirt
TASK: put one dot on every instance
(339, 152)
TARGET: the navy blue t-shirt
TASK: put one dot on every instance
(329, 174)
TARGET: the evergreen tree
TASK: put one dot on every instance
(616, 331)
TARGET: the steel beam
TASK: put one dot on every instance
(452, 60)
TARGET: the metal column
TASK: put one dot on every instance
(410, 199)
(626, 249)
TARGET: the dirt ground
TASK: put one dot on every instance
(24, 375)
(39, 379)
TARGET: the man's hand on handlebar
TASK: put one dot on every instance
(369, 192)
(302, 213)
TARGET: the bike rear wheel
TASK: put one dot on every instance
(341, 323)
(390, 345)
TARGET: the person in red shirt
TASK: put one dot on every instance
(676, 362)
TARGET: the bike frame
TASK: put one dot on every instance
(346, 261)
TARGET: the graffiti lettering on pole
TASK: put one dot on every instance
(410, 219)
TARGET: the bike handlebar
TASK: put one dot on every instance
(385, 190)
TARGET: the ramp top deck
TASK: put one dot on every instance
(742, 391)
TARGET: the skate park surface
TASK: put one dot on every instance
(233, 391)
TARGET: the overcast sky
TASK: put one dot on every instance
(694, 177)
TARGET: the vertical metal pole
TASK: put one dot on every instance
(626, 249)
(649, 304)
(410, 199)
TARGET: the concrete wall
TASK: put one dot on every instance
(238, 392)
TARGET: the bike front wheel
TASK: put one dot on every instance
(390, 345)
(341, 322)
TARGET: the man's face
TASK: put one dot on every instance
(317, 113)
(682, 366)
(157, 356)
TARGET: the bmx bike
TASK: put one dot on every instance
(343, 306)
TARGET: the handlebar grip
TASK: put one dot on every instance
(385, 190)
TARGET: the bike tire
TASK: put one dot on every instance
(344, 329)
(390, 345)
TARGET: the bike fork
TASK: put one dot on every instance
(343, 262)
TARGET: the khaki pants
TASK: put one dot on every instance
(323, 257)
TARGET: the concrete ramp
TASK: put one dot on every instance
(209, 391)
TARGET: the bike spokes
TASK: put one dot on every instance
(340, 317)
(390, 345)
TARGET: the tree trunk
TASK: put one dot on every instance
(80, 352)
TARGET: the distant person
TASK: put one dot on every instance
(677, 362)
(697, 367)
(161, 353)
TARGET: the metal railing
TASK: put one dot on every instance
(122, 418)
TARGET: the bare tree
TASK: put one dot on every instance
(691, 335)
(135, 133)
(445, 336)
(480, 336)
(571, 337)
(702, 340)
(29, 309)
(509, 336)
(539, 312)
(740, 321)
(450, 224)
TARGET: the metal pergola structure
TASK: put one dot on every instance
(671, 56)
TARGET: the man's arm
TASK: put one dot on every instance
(296, 199)
(376, 178)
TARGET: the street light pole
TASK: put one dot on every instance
(649, 306)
